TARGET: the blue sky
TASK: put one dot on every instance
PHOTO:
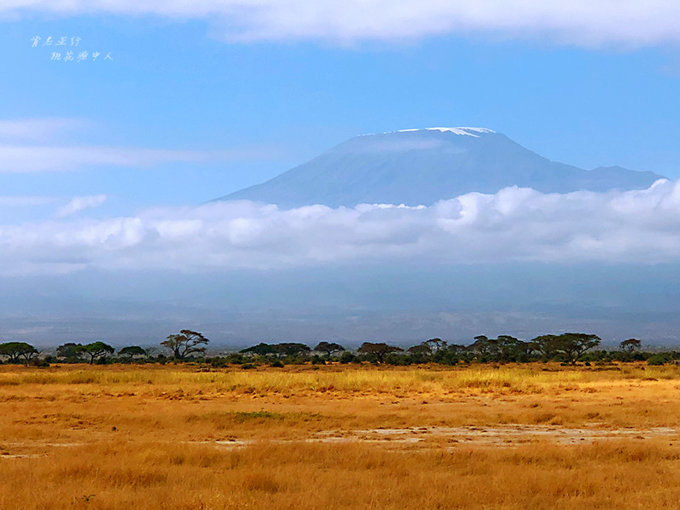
(104, 166)
(173, 84)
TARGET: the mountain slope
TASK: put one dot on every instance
(422, 166)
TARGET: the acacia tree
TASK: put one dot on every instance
(185, 343)
(378, 350)
(504, 348)
(548, 346)
(132, 351)
(436, 344)
(96, 350)
(422, 349)
(631, 345)
(574, 345)
(511, 348)
(484, 347)
(261, 349)
(16, 351)
(70, 351)
(280, 350)
(421, 353)
(291, 349)
(570, 345)
(328, 348)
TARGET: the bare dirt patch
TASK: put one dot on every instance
(501, 436)
(506, 435)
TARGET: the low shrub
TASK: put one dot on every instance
(657, 359)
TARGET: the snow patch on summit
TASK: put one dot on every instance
(463, 131)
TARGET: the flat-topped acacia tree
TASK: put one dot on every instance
(131, 351)
(569, 345)
(378, 350)
(630, 345)
(69, 351)
(16, 351)
(328, 348)
(96, 350)
(185, 343)
(281, 350)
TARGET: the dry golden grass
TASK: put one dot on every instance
(152, 437)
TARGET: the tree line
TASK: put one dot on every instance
(188, 345)
(567, 347)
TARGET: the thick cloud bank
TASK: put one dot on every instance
(514, 224)
(580, 22)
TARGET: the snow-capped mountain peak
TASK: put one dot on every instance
(422, 166)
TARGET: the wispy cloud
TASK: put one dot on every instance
(514, 224)
(80, 204)
(25, 158)
(576, 22)
(37, 129)
(28, 145)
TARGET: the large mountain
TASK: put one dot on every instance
(421, 166)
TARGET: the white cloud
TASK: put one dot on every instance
(511, 225)
(80, 204)
(580, 22)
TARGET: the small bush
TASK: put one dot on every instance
(247, 366)
(277, 364)
(657, 359)
(40, 363)
(347, 357)
(218, 362)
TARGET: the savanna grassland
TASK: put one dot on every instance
(355, 437)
